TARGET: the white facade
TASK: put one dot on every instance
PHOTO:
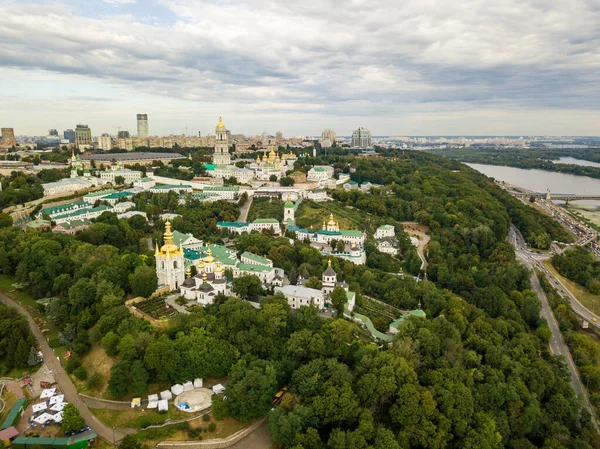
(265, 223)
(234, 226)
(67, 186)
(128, 175)
(82, 214)
(119, 208)
(144, 183)
(317, 195)
(224, 193)
(132, 213)
(320, 173)
(265, 274)
(170, 268)
(385, 231)
(298, 296)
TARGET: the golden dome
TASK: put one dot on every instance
(204, 277)
(283, 157)
(219, 268)
(209, 257)
(331, 220)
(200, 265)
(188, 273)
(220, 125)
(169, 247)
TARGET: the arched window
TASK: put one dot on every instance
(175, 264)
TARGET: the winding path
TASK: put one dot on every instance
(63, 380)
(245, 208)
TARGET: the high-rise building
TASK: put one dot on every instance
(361, 138)
(279, 136)
(8, 138)
(142, 126)
(221, 155)
(52, 132)
(105, 143)
(83, 136)
(123, 135)
(328, 134)
(69, 135)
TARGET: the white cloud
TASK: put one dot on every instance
(333, 58)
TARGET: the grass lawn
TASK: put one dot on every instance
(224, 428)
(9, 400)
(95, 361)
(266, 208)
(137, 418)
(585, 297)
(313, 214)
(22, 297)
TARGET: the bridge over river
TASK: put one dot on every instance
(568, 197)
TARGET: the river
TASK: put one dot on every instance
(541, 181)
(573, 161)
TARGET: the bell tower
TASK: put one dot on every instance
(221, 155)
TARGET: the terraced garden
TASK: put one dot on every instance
(156, 307)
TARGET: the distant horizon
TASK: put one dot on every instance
(457, 69)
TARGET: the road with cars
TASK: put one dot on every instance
(557, 343)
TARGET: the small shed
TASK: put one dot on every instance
(153, 397)
(136, 402)
(44, 418)
(198, 383)
(152, 404)
(163, 405)
(218, 389)
(188, 386)
(14, 414)
(177, 389)
(59, 417)
(7, 435)
(166, 395)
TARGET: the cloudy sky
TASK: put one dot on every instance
(410, 67)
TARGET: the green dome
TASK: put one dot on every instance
(288, 204)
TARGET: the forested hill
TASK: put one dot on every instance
(540, 158)
(477, 373)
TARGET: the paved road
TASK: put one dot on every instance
(246, 208)
(62, 378)
(557, 343)
(259, 439)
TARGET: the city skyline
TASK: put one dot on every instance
(419, 68)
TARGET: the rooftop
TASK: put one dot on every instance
(131, 156)
(300, 291)
(253, 268)
(232, 224)
(265, 220)
(100, 193)
(386, 227)
(256, 258)
(221, 189)
(171, 186)
(63, 207)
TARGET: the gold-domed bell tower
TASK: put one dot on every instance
(221, 155)
(170, 268)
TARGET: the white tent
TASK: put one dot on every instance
(57, 399)
(198, 383)
(163, 405)
(59, 417)
(39, 407)
(47, 393)
(218, 389)
(177, 389)
(166, 395)
(58, 407)
(153, 397)
(43, 418)
(152, 404)
(188, 386)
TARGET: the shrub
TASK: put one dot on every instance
(80, 373)
(206, 417)
(212, 427)
(95, 381)
(73, 363)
